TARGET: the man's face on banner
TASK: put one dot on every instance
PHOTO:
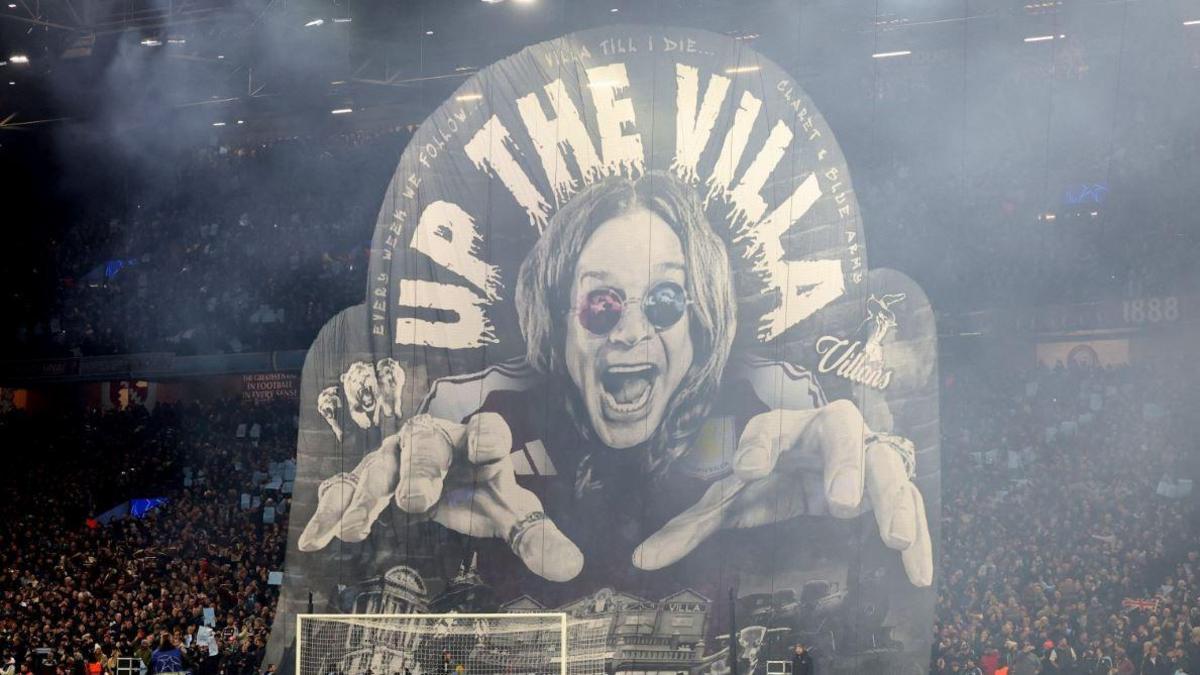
(629, 336)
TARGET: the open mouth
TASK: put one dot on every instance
(367, 397)
(627, 388)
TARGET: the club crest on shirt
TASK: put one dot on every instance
(859, 359)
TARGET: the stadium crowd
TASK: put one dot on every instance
(1064, 548)
(1053, 517)
(1067, 546)
(244, 248)
(82, 595)
(231, 249)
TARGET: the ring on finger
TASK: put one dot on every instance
(344, 478)
(901, 446)
(426, 421)
(523, 525)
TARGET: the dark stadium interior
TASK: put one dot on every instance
(186, 205)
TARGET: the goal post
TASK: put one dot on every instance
(437, 644)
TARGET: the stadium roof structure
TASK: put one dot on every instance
(98, 17)
(221, 60)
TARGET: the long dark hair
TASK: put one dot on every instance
(544, 287)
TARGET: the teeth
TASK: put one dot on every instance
(622, 370)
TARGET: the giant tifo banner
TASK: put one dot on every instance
(622, 355)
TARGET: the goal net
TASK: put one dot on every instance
(448, 644)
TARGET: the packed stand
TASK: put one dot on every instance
(83, 594)
(1013, 186)
(253, 248)
(1068, 544)
(229, 249)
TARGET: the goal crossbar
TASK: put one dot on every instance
(533, 643)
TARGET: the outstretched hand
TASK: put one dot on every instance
(807, 462)
(460, 475)
(788, 463)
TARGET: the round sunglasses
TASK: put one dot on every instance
(663, 305)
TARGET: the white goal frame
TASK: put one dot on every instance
(561, 616)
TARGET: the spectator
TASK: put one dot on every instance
(260, 263)
(802, 661)
(1025, 662)
(168, 658)
(1054, 518)
(125, 585)
(95, 665)
(1152, 663)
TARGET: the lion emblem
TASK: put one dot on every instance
(328, 405)
(361, 389)
(391, 383)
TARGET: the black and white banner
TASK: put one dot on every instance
(621, 354)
